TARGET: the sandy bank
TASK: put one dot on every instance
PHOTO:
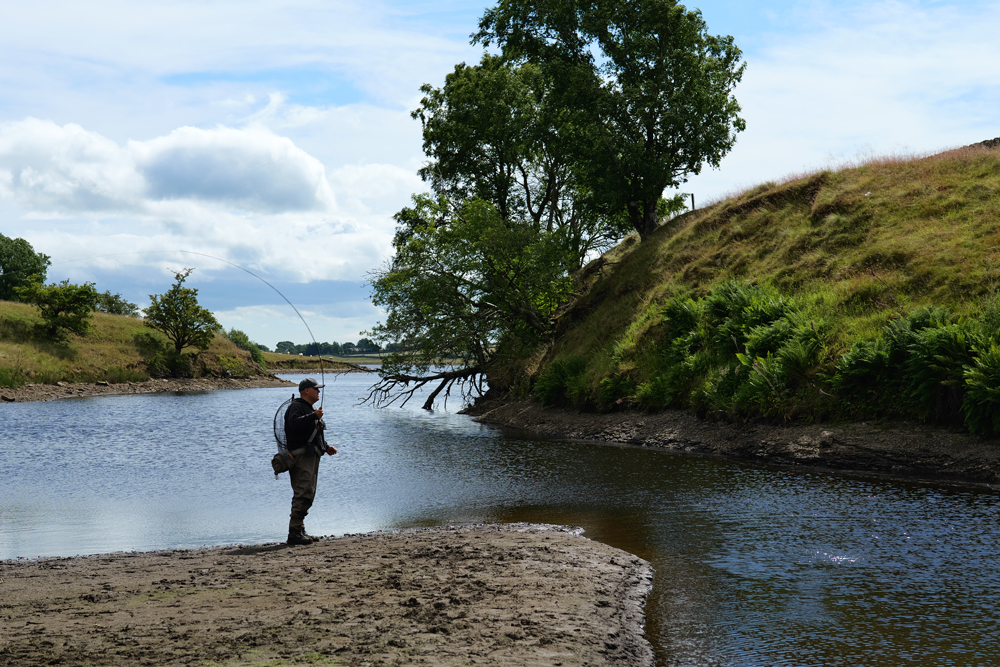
(906, 450)
(491, 594)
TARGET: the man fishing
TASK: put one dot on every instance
(304, 428)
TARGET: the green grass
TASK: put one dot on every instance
(854, 249)
(117, 349)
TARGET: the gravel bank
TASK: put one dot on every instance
(905, 450)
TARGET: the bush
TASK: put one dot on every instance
(160, 357)
(981, 404)
(242, 341)
(562, 382)
(233, 367)
(65, 308)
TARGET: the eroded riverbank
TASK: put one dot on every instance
(906, 450)
(49, 392)
(489, 594)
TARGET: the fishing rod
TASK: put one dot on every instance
(224, 261)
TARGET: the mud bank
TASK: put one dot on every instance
(49, 392)
(905, 450)
(508, 595)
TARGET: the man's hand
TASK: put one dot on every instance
(331, 450)
(319, 413)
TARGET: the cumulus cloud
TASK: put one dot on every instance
(55, 168)
(249, 168)
(67, 170)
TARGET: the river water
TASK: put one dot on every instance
(754, 566)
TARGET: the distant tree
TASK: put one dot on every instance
(644, 88)
(65, 308)
(178, 315)
(18, 263)
(263, 348)
(366, 346)
(285, 347)
(349, 348)
(114, 304)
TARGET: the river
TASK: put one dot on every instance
(754, 566)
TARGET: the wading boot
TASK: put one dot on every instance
(297, 532)
(298, 539)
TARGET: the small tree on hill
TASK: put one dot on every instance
(65, 308)
(178, 315)
(115, 304)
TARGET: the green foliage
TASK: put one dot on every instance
(161, 359)
(233, 367)
(178, 315)
(65, 308)
(891, 260)
(562, 383)
(11, 377)
(465, 287)
(981, 405)
(19, 266)
(496, 133)
(242, 341)
(115, 304)
(644, 91)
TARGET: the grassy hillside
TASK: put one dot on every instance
(861, 293)
(118, 349)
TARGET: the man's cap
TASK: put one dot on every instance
(310, 383)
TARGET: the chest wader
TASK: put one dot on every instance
(304, 473)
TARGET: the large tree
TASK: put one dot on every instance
(19, 265)
(464, 288)
(178, 315)
(648, 90)
(494, 132)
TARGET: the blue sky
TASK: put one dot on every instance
(277, 136)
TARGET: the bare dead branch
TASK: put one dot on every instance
(401, 387)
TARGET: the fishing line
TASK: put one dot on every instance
(224, 261)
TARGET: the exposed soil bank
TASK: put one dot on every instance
(909, 450)
(508, 595)
(48, 392)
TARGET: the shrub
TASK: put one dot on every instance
(233, 367)
(242, 341)
(561, 382)
(981, 404)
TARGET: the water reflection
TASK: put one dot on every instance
(753, 566)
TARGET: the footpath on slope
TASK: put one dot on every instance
(507, 595)
(898, 449)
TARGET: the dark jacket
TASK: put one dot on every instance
(300, 420)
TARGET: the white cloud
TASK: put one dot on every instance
(49, 168)
(239, 194)
(251, 169)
